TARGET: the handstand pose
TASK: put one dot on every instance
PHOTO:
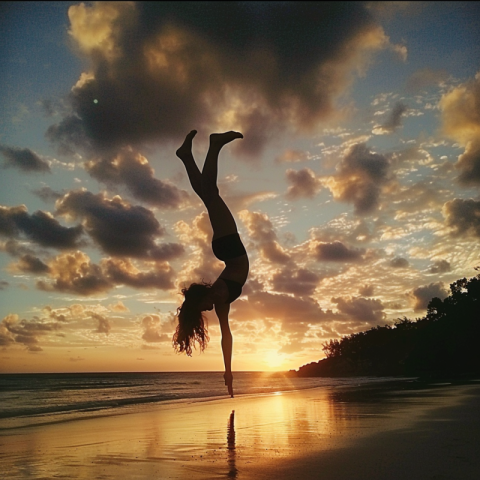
(226, 245)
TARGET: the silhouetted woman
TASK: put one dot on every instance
(226, 245)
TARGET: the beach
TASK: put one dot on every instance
(394, 430)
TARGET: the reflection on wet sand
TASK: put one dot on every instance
(232, 469)
(188, 440)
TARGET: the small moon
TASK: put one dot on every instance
(95, 101)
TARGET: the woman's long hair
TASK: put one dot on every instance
(191, 326)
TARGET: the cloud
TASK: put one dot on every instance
(399, 262)
(75, 273)
(301, 281)
(422, 295)
(393, 120)
(360, 309)
(440, 266)
(24, 159)
(157, 71)
(27, 333)
(360, 178)
(119, 228)
(76, 359)
(260, 229)
(463, 216)
(15, 248)
(118, 307)
(335, 252)
(132, 169)
(151, 330)
(40, 227)
(366, 290)
(424, 78)
(30, 264)
(104, 324)
(47, 194)
(292, 156)
(295, 314)
(200, 264)
(303, 183)
(469, 164)
(123, 272)
(460, 109)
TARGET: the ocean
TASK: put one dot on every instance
(39, 399)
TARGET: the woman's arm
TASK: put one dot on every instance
(222, 310)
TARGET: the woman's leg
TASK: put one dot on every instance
(184, 153)
(221, 218)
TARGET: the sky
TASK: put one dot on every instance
(356, 187)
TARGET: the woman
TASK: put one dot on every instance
(226, 245)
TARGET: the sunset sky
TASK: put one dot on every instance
(356, 188)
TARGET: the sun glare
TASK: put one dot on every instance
(273, 359)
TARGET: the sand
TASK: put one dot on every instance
(391, 431)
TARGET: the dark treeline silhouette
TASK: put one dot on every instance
(445, 342)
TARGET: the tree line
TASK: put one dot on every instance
(445, 342)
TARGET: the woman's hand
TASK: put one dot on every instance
(229, 382)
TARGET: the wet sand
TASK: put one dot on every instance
(397, 430)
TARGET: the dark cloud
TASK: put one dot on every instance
(23, 159)
(27, 333)
(366, 290)
(299, 281)
(463, 216)
(124, 273)
(303, 183)
(469, 163)
(47, 194)
(274, 253)
(460, 109)
(133, 170)
(295, 314)
(422, 295)
(104, 324)
(399, 262)
(440, 266)
(360, 309)
(159, 69)
(336, 252)
(393, 121)
(360, 178)
(31, 264)
(15, 248)
(119, 228)
(40, 227)
(74, 273)
(3, 284)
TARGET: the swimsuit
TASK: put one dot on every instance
(228, 247)
(225, 248)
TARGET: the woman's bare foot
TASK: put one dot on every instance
(221, 139)
(186, 148)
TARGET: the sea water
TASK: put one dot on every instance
(36, 399)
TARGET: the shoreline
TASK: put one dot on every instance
(393, 430)
(48, 415)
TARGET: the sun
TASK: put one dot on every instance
(273, 359)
